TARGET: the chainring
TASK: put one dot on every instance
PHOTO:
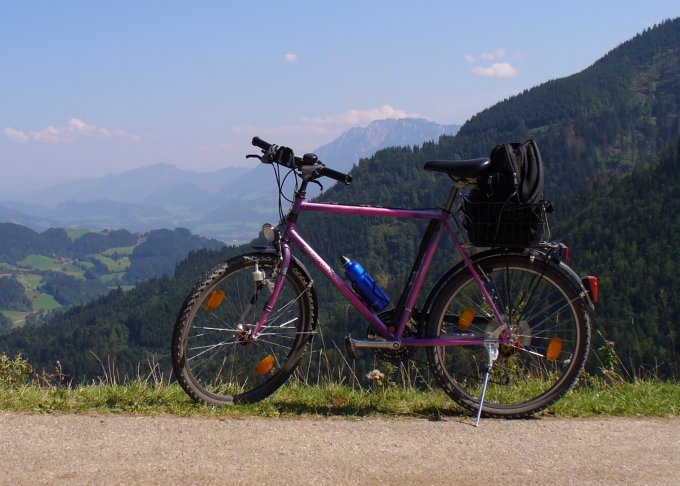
(393, 354)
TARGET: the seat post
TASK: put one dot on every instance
(452, 198)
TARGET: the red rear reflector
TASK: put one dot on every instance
(590, 283)
(564, 252)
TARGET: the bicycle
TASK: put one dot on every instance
(506, 330)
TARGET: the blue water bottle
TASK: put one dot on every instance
(364, 285)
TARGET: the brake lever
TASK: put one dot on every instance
(261, 158)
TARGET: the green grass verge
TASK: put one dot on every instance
(645, 398)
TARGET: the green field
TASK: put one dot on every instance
(40, 262)
(45, 302)
(18, 318)
(76, 233)
(109, 277)
(114, 266)
(121, 250)
(30, 282)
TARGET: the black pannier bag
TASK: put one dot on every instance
(507, 209)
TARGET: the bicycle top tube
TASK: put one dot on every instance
(367, 210)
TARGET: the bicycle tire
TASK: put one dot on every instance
(212, 357)
(545, 352)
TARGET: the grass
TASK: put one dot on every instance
(40, 262)
(24, 390)
(121, 250)
(75, 233)
(45, 302)
(114, 266)
(17, 317)
(645, 398)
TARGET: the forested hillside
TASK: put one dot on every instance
(601, 128)
(628, 233)
(45, 272)
(614, 115)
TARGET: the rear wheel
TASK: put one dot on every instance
(545, 345)
(215, 357)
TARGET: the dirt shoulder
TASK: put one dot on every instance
(124, 449)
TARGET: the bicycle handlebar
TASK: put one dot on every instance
(259, 143)
(275, 154)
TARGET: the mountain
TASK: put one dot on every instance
(135, 186)
(360, 142)
(228, 204)
(609, 138)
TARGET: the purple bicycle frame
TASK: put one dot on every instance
(290, 234)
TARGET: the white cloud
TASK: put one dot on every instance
(492, 56)
(73, 130)
(470, 58)
(290, 57)
(497, 70)
(16, 135)
(359, 117)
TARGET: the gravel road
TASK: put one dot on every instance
(124, 449)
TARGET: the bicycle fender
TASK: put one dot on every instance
(479, 258)
(315, 301)
(568, 272)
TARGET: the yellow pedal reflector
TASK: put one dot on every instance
(554, 349)
(466, 318)
(265, 365)
(214, 301)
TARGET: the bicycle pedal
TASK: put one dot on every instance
(350, 348)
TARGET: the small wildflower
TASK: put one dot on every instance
(376, 376)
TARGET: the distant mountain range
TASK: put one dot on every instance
(356, 143)
(230, 204)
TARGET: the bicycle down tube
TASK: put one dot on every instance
(440, 217)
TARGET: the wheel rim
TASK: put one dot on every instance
(538, 354)
(222, 359)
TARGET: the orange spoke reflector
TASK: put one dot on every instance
(214, 301)
(265, 365)
(554, 349)
(466, 318)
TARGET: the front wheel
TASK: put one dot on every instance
(544, 346)
(215, 356)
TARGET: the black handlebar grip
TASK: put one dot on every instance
(258, 142)
(338, 176)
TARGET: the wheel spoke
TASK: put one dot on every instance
(217, 358)
(538, 306)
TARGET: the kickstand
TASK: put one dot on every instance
(492, 354)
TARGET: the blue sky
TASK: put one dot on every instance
(91, 88)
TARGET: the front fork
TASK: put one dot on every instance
(284, 255)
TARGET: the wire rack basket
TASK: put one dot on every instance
(505, 224)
